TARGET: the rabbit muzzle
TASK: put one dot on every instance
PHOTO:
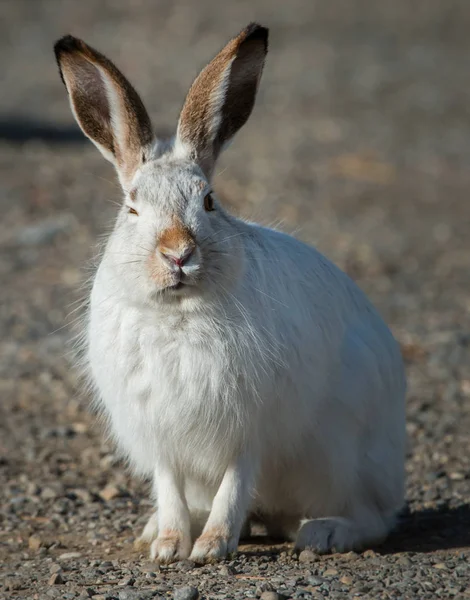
(176, 260)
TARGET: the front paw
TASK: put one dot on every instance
(213, 544)
(170, 546)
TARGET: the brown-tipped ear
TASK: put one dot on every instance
(222, 96)
(105, 105)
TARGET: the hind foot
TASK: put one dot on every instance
(336, 534)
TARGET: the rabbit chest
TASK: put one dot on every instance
(169, 387)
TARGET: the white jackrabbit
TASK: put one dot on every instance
(238, 368)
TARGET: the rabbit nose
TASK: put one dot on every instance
(177, 258)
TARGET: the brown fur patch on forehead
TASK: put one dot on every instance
(221, 98)
(100, 95)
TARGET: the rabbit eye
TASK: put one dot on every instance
(132, 211)
(209, 202)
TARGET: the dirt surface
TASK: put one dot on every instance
(360, 143)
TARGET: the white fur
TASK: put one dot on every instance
(271, 387)
(267, 386)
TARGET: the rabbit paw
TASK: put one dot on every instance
(170, 546)
(212, 545)
(326, 535)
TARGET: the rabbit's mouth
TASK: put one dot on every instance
(174, 279)
(176, 286)
(183, 285)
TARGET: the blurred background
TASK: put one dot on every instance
(359, 143)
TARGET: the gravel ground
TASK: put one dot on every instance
(360, 143)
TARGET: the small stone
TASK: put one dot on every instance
(79, 427)
(346, 580)
(441, 566)
(12, 583)
(130, 593)
(187, 592)
(369, 554)
(55, 568)
(315, 581)
(271, 596)
(308, 556)
(150, 567)
(56, 579)
(70, 555)
(350, 556)
(83, 494)
(330, 573)
(48, 493)
(129, 581)
(227, 570)
(264, 586)
(34, 542)
(106, 564)
(184, 565)
(109, 492)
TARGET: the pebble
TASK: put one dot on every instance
(350, 556)
(132, 594)
(13, 583)
(55, 568)
(184, 565)
(129, 581)
(34, 542)
(264, 586)
(271, 596)
(149, 567)
(69, 555)
(315, 581)
(308, 556)
(186, 593)
(56, 579)
(109, 493)
(48, 493)
(227, 571)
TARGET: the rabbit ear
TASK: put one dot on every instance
(222, 97)
(105, 105)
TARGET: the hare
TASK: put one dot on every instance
(238, 368)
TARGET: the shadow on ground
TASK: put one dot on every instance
(430, 530)
(421, 531)
(18, 130)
